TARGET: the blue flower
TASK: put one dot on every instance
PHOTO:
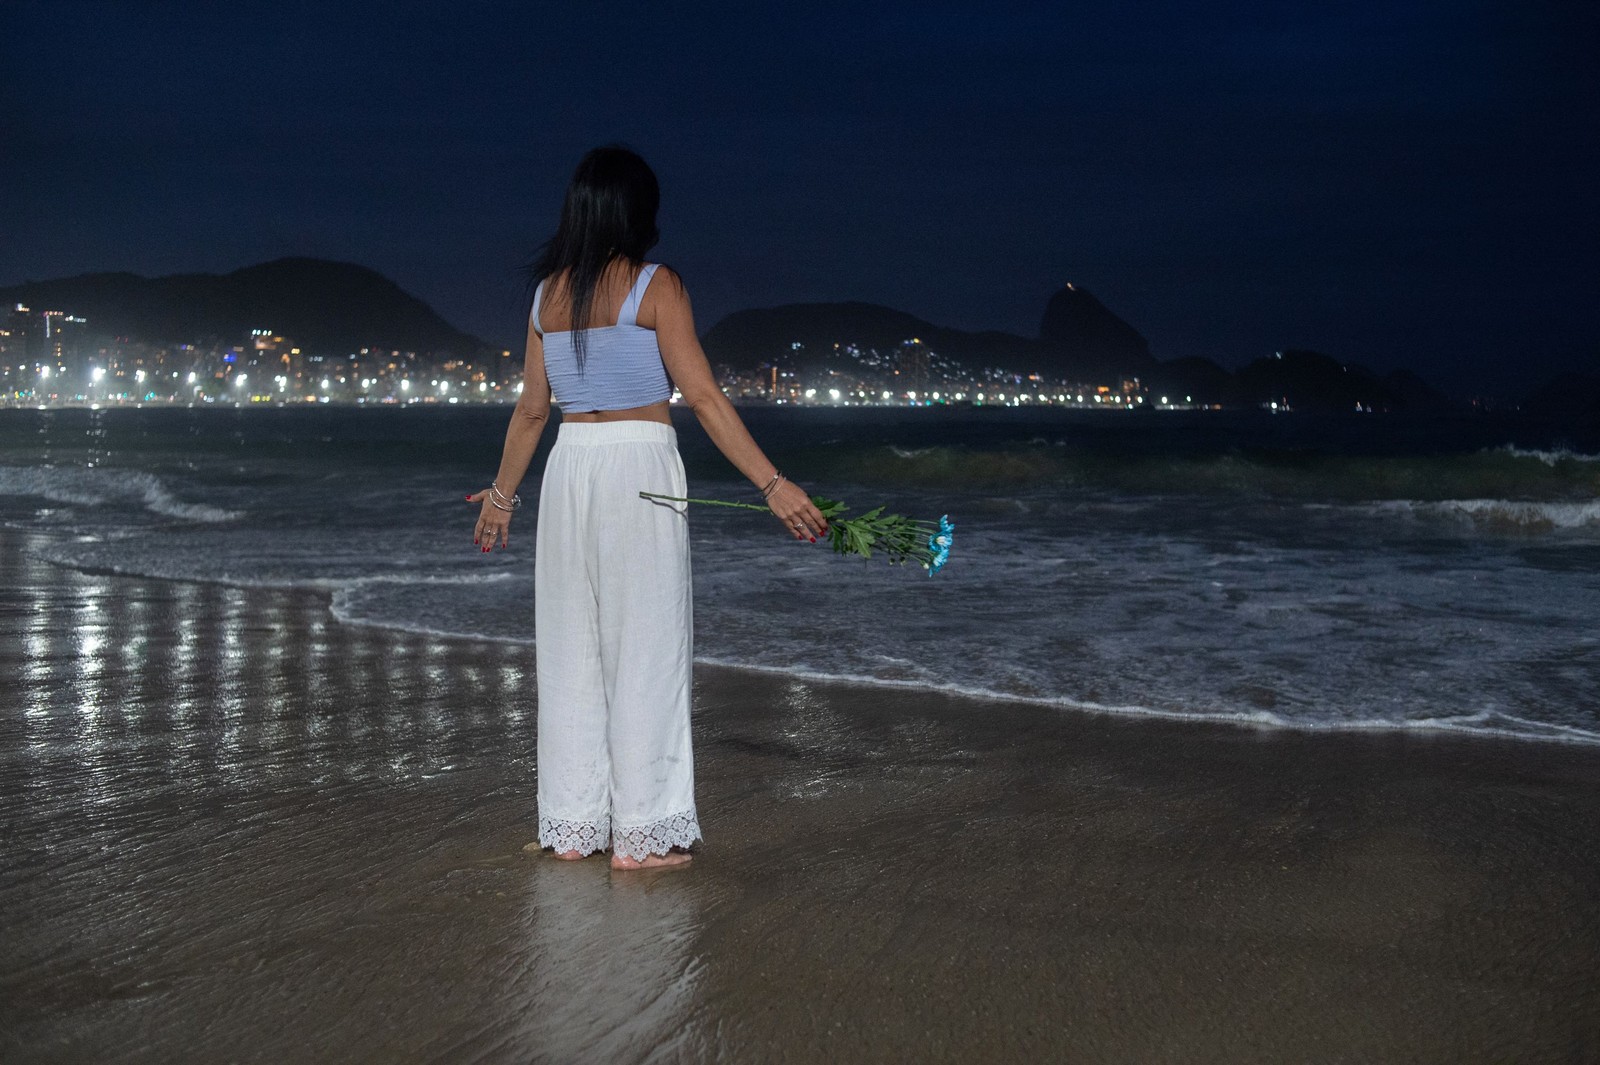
(940, 543)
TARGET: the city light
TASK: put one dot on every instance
(907, 373)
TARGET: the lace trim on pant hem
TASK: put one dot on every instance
(585, 837)
(656, 837)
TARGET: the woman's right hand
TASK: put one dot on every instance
(798, 514)
(493, 523)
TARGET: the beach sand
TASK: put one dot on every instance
(238, 830)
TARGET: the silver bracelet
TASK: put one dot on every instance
(495, 495)
(777, 479)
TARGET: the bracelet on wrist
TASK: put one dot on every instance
(501, 500)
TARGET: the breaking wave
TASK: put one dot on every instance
(1498, 473)
(98, 487)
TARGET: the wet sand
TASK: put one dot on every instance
(237, 830)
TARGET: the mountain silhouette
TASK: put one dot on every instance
(1080, 340)
(1310, 380)
(747, 339)
(1082, 337)
(323, 306)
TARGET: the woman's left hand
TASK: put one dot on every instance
(794, 508)
(493, 523)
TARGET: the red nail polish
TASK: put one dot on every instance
(813, 539)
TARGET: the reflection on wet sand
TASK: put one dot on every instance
(610, 975)
(226, 812)
(236, 829)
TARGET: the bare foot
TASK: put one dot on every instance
(676, 856)
(570, 856)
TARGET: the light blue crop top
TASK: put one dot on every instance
(622, 363)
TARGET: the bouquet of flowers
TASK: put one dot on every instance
(900, 538)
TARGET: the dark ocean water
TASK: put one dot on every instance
(1292, 570)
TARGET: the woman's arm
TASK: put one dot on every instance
(687, 364)
(528, 420)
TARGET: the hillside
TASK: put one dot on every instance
(1079, 334)
(1079, 338)
(324, 306)
(746, 339)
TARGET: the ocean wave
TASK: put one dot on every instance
(97, 487)
(1505, 515)
(1487, 723)
(1497, 473)
(1550, 458)
(90, 556)
(494, 606)
(347, 612)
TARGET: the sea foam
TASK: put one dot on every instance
(100, 487)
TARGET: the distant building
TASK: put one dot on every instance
(62, 339)
(19, 327)
(34, 340)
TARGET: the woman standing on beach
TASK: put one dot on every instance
(613, 605)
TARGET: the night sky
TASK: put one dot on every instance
(1397, 184)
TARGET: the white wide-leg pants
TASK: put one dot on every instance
(613, 627)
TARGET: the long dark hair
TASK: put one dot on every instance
(609, 213)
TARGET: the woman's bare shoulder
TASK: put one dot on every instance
(666, 298)
(669, 280)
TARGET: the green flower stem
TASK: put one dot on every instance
(899, 538)
(713, 502)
